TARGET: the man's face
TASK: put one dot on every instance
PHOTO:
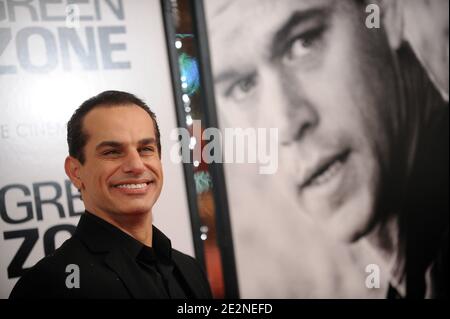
(313, 70)
(122, 172)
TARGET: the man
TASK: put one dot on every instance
(365, 131)
(115, 162)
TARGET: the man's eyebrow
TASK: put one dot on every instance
(147, 141)
(115, 144)
(224, 76)
(298, 17)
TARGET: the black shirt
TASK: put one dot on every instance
(155, 263)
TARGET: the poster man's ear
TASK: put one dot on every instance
(72, 167)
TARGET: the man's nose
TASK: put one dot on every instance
(133, 163)
(285, 106)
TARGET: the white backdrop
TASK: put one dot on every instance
(46, 71)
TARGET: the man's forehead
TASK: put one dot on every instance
(117, 114)
(222, 13)
(119, 123)
(247, 28)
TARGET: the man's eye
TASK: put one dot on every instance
(147, 150)
(301, 46)
(111, 153)
(241, 89)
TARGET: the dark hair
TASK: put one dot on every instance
(77, 138)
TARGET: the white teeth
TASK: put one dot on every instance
(328, 174)
(132, 186)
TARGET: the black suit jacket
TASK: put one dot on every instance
(104, 270)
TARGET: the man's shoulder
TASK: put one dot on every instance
(48, 276)
(72, 251)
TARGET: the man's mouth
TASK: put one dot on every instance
(134, 186)
(325, 170)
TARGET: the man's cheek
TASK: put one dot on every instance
(317, 209)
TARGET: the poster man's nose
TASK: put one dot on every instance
(284, 105)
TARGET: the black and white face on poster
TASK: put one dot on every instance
(358, 91)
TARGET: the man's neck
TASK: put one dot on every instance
(138, 226)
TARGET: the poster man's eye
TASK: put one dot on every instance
(303, 45)
(299, 48)
(242, 88)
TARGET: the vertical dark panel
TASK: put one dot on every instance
(224, 233)
(187, 167)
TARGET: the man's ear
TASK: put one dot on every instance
(392, 19)
(72, 167)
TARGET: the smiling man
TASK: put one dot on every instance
(363, 129)
(115, 162)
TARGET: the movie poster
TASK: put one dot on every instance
(337, 170)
